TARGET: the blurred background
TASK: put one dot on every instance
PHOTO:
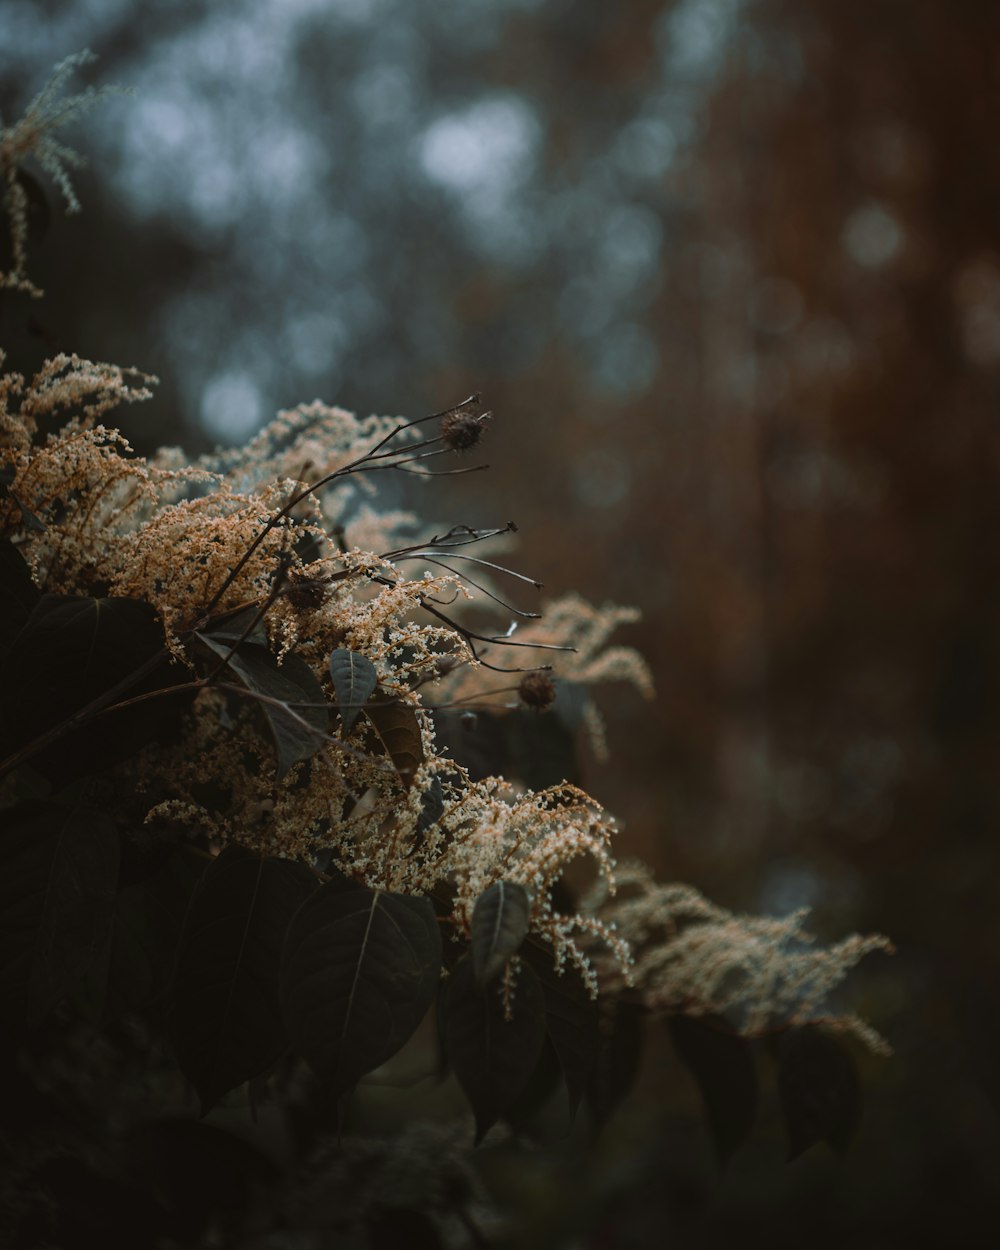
(728, 273)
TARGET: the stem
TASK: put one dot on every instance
(298, 496)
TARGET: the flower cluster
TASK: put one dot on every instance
(761, 972)
(275, 559)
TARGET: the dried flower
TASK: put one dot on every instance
(462, 430)
(537, 690)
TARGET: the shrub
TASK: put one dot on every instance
(273, 794)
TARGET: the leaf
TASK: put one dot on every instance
(354, 680)
(722, 1065)
(541, 751)
(572, 1021)
(398, 730)
(359, 972)
(431, 806)
(150, 917)
(58, 874)
(72, 650)
(18, 593)
(544, 1085)
(31, 522)
(298, 732)
(233, 628)
(499, 926)
(819, 1090)
(493, 1058)
(618, 1054)
(226, 1023)
(476, 741)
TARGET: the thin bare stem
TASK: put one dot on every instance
(472, 468)
(298, 496)
(408, 553)
(532, 616)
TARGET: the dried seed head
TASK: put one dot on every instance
(462, 430)
(537, 690)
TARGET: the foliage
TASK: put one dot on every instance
(239, 815)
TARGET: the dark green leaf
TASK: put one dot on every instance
(227, 1020)
(31, 522)
(540, 749)
(819, 1090)
(234, 628)
(354, 680)
(398, 730)
(28, 518)
(72, 650)
(298, 731)
(492, 1057)
(58, 875)
(18, 593)
(572, 1021)
(359, 972)
(543, 1086)
(499, 926)
(150, 916)
(618, 1055)
(431, 806)
(476, 741)
(722, 1065)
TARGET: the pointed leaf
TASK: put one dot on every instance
(819, 1090)
(722, 1065)
(499, 926)
(58, 874)
(72, 650)
(431, 806)
(541, 751)
(234, 628)
(572, 1021)
(226, 1022)
(544, 1085)
(360, 970)
(478, 741)
(28, 518)
(298, 731)
(618, 1057)
(18, 593)
(492, 1057)
(354, 681)
(398, 730)
(150, 916)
